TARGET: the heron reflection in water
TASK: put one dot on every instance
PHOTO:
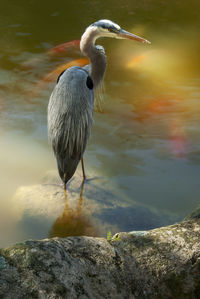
(75, 221)
(71, 105)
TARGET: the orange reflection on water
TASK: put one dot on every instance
(177, 138)
(175, 129)
(154, 62)
(162, 104)
(167, 58)
(135, 60)
(63, 48)
(163, 70)
(53, 75)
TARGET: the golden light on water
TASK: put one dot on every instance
(157, 63)
(135, 60)
(167, 57)
(163, 67)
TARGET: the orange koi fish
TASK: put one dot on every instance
(62, 48)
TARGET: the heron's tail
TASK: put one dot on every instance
(66, 168)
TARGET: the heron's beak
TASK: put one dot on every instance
(127, 35)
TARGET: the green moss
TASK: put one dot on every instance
(109, 236)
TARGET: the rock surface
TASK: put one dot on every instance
(160, 263)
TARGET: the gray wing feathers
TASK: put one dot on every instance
(70, 114)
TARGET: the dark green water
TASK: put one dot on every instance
(145, 144)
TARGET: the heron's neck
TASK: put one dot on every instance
(96, 56)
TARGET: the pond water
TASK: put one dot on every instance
(143, 157)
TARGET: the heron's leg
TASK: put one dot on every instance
(83, 169)
(80, 202)
(82, 187)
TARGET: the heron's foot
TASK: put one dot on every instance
(93, 178)
(84, 179)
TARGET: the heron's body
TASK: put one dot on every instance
(71, 105)
(69, 134)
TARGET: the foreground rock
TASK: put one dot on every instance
(160, 263)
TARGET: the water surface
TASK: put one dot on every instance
(144, 151)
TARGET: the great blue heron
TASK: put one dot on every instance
(71, 105)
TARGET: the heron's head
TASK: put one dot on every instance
(107, 28)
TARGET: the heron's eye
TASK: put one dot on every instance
(113, 30)
(89, 82)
